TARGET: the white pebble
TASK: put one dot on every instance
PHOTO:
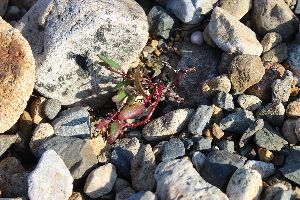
(197, 38)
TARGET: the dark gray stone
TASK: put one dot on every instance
(73, 122)
(76, 153)
(294, 156)
(51, 108)
(119, 185)
(227, 145)
(161, 22)
(187, 142)
(124, 194)
(249, 133)
(281, 91)
(224, 100)
(274, 113)
(200, 120)
(278, 160)
(237, 122)
(270, 139)
(292, 172)
(219, 166)
(121, 159)
(202, 143)
(143, 168)
(174, 148)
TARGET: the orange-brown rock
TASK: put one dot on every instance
(263, 89)
(17, 69)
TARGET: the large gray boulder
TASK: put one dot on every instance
(66, 37)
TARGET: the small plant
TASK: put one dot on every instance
(135, 84)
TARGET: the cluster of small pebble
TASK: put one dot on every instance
(235, 137)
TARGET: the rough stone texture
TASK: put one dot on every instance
(124, 194)
(202, 143)
(249, 133)
(291, 168)
(73, 122)
(3, 7)
(6, 141)
(265, 169)
(198, 160)
(161, 22)
(190, 11)
(164, 127)
(19, 184)
(277, 54)
(274, 113)
(207, 38)
(224, 100)
(227, 145)
(142, 169)
(8, 167)
(231, 35)
(178, 179)
(290, 130)
(217, 131)
(129, 144)
(274, 16)
(237, 122)
(219, 166)
(40, 134)
(244, 184)
(100, 181)
(143, 196)
(281, 91)
(174, 148)
(269, 139)
(120, 184)
(212, 87)
(293, 109)
(17, 74)
(50, 174)
(200, 120)
(51, 108)
(36, 110)
(270, 41)
(66, 37)
(245, 71)
(249, 102)
(205, 60)
(237, 8)
(77, 154)
(262, 89)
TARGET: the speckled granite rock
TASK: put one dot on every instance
(66, 37)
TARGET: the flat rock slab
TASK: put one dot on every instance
(77, 154)
(50, 174)
(73, 122)
(66, 37)
(17, 70)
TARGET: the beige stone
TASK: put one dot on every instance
(17, 74)
(265, 155)
(36, 110)
(25, 122)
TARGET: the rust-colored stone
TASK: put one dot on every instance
(263, 89)
(17, 69)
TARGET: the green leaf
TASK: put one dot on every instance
(114, 131)
(130, 100)
(137, 82)
(109, 62)
(122, 84)
(119, 97)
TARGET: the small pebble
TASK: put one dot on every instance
(36, 110)
(270, 40)
(265, 169)
(197, 38)
(200, 120)
(202, 143)
(293, 109)
(224, 100)
(51, 108)
(227, 145)
(265, 155)
(213, 86)
(249, 102)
